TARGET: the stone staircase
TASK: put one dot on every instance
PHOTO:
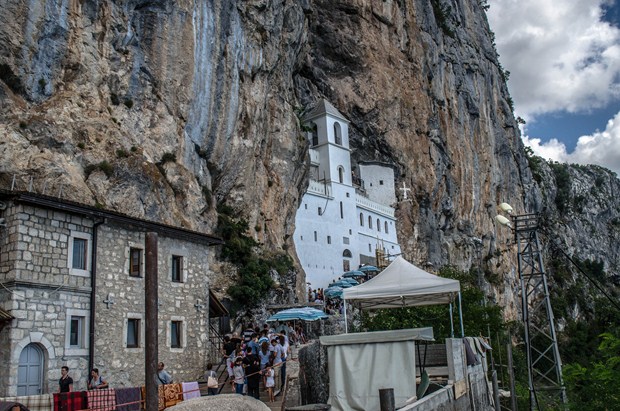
(228, 387)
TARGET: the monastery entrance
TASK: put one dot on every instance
(30, 371)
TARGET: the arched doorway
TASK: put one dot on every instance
(30, 371)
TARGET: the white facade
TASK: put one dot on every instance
(338, 225)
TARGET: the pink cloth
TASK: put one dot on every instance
(190, 390)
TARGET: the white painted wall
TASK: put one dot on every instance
(379, 183)
(323, 261)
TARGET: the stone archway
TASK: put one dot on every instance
(30, 370)
(34, 341)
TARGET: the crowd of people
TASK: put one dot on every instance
(259, 355)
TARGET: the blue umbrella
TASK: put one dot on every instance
(368, 268)
(354, 273)
(350, 281)
(302, 313)
(341, 283)
(333, 292)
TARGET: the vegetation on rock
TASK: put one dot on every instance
(254, 279)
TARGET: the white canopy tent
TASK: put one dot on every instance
(402, 284)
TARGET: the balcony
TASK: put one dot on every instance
(318, 188)
(376, 207)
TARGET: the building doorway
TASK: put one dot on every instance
(30, 371)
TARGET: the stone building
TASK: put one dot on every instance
(72, 279)
(343, 218)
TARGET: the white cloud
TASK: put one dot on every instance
(601, 147)
(561, 55)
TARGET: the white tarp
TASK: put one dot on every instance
(362, 363)
(402, 284)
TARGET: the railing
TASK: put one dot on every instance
(320, 188)
(371, 205)
(216, 341)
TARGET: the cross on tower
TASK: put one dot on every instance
(404, 189)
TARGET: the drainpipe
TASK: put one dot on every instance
(93, 294)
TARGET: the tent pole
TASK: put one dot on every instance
(461, 316)
(346, 325)
(451, 323)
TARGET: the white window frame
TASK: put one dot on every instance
(180, 319)
(83, 236)
(128, 259)
(185, 259)
(85, 325)
(134, 316)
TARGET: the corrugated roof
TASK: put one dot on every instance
(93, 212)
(322, 108)
(216, 308)
(5, 316)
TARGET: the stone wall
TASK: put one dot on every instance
(41, 293)
(185, 301)
(313, 374)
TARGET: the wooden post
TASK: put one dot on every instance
(150, 303)
(511, 376)
(386, 399)
(495, 390)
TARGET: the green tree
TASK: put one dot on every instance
(596, 387)
(254, 281)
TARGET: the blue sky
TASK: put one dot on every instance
(564, 63)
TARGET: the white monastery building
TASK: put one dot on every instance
(343, 217)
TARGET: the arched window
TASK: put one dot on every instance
(378, 225)
(341, 174)
(337, 134)
(347, 253)
(369, 221)
(361, 219)
(386, 228)
(315, 135)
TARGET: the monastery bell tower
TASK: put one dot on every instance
(330, 138)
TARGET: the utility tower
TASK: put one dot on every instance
(543, 355)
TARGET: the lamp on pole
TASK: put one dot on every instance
(543, 356)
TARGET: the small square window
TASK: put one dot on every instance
(133, 332)
(176, 329)
(345, 240)
(135, 262)
(347, 195)
(177, 269)
(329, 239)
(76, 332)
(380, 182)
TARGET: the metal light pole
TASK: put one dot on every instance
(543, 355)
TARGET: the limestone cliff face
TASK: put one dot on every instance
(162, 109)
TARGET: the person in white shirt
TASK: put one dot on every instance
(286, 351)
(278, 354)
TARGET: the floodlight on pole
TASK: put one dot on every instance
(505, 207)
(503, 221)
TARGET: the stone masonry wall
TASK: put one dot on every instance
(186, 301)
(42, 292)
(34, 262)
